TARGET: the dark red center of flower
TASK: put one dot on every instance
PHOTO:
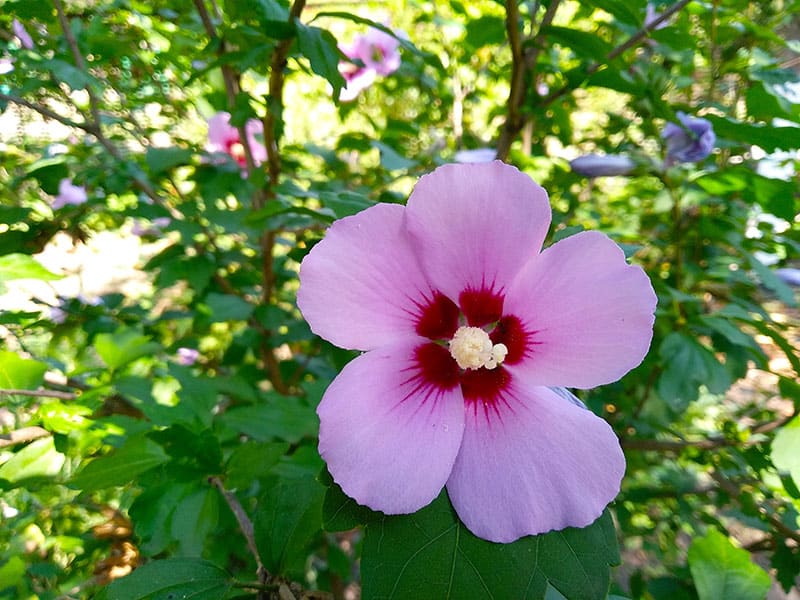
(235, 149)
(439, 318)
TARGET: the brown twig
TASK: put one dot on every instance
(39, 394)
(22, 436)
(521, 62)
(632, 41)
(246, 527)
(730, 488)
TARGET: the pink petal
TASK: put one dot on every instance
(221, 133)
(361, 287)
(389, 434)
(588, 314)
(475, 225)
(537, 463)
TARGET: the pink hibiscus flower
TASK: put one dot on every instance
(224, 137)
(466, 326)
(69, 194)
(378, 52)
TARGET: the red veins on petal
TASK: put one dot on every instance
(438, 319)
(481, 307)
(509, 331)
(436, 368)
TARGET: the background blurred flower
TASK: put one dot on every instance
(597, 165)
(6, 65)
(224, 137)
(69, 194)
(691, 141)
(22, 34)
(478, 155)
(187, 356)
(379, 54)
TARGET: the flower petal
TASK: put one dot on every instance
(361, 287)
(475, 225)
(588, 314)
(535, 463)
(388, 431)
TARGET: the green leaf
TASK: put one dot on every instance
(786, 449)
(288, 517)
(23, 266)
(321, 49)
(345, 203)
(251, 461)
(430, 554)
(227, 307)
(171, 579)
(485, 30)
(194, 519)
(160, 160)
(721, 571)
(768, 138)
(37, 459)
(282, 418)
(19, 373)
(137, 455)
(123, 346)
(583, 43)
(69, 74)
(340, 512)
(391, 160)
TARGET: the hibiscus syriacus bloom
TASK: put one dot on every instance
(69, 194)
(465, 326)
(224, 137)
(691, 141)
(379, 54)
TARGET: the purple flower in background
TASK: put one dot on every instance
(22, 34)
(651, 15)
(224, 137)
(379, 54)
(6, 65)
(187, 356)
(465, 327)
(691, 141)
(69, 194)
(789, 275)
(478, 155)
(596, 165)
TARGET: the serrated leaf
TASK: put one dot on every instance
(340, 512)
(431, 554)
(289, 515)
(137, 455)
(252, 460)
(284, 419)
(721, 571)
(171, 579)
(322, 51)
(123, 346)
(23, 266)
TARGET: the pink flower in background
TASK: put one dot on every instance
(22, 34)
(378, 52)
(465, 326)
(187, 356)
(69, 194)
(6, 65)
(224, 137)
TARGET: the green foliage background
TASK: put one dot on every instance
(113, 454)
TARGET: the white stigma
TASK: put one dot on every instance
(472, 348)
